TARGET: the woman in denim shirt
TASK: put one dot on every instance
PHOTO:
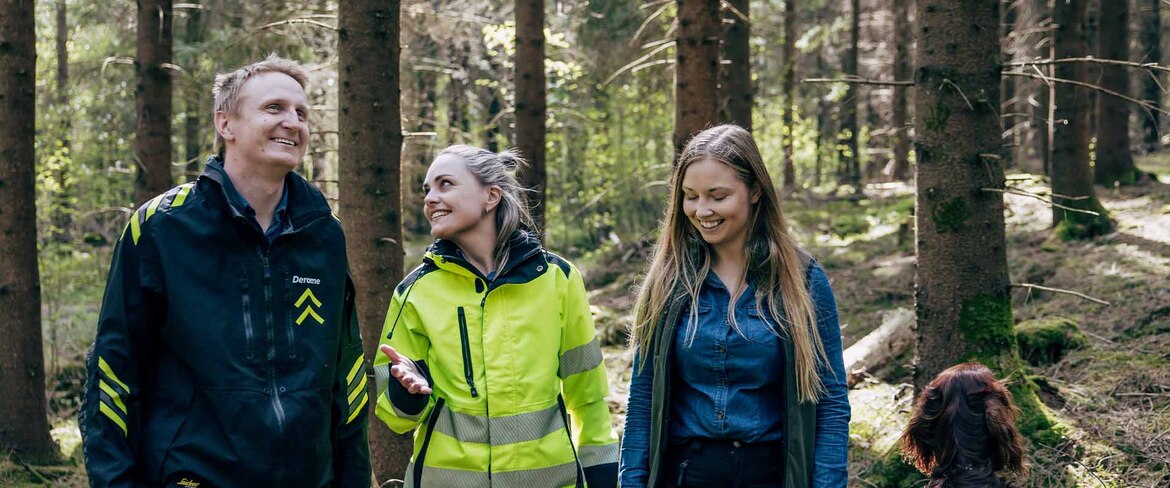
(751, 394)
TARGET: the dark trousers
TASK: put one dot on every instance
(725, 464)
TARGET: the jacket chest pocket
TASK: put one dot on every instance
(465, 346)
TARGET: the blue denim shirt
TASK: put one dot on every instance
(727, 396)
(279, 220)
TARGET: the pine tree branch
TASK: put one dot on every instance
(1049, 79)
(1060, 290)
(856, 80)
(1087, 59)
(1022, 193)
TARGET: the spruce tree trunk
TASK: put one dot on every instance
(962, 295)
(735, 69)
(903, 71)
(696, 70)
(789, 116)
(193, 101)
(369, 159)
(531, 104)
(1072, 177)
(1114, 161)
(850, 171)
(24, 424)
(62, 207)
(152, 144)
(458, 125)
(1151, 45)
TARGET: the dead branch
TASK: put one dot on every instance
(881, 346)
(1087, 59)
(1048, 79)
(856, 80)
(312, 22)
(1059, 290)
(1015, 191)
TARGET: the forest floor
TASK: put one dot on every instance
(1111, 396)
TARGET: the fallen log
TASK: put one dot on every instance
(881, 346)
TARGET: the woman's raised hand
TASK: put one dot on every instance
(406, 372)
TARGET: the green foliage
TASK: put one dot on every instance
(891, 471)
(1047, 340)
(847, 224)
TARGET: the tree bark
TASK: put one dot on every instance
(1072, 177)
(369, 157)
(962, 296)
(1151, 45)
(531, 104)
(903, 70)
(735, 69)
(789, 115)
(458, 125)
(850, 171)
(193, 101)
(696, 100)
(1114, 161)
(1008, 103)
(24, 424)
(61, 210)
(152, 145)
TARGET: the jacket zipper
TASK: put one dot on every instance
(277, 406)
(468, 373)
(682, 472)
(487, 411)
(247, 304)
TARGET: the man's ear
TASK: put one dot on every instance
(495, 194)
(223, 126)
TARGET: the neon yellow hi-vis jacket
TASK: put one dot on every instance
(518, 378)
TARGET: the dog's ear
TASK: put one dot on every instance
(1001, 415)
(918, 445)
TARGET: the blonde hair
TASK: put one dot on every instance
(226, 89)
(681, 258)
(499, 169)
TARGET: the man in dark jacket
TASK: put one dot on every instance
(227, 351)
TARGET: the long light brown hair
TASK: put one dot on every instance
(963, 429)
(682, 258)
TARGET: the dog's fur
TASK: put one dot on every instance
(964, 430)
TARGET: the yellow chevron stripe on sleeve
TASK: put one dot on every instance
(109, 412)
(105, 367)
(153, 206)
(356, 391)
(361, 405)
(135, 227)
(113, 394)
(182, 195)
(357, 365)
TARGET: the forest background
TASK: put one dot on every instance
(1030, 228)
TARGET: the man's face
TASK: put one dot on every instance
(270, 126)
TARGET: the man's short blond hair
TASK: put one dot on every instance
(227, 85)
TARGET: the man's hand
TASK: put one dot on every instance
(406, 372)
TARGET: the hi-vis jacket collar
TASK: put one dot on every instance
(524, 246)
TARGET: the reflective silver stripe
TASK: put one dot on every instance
(440, 477)
(382, 379)
(561, 475)
(580, 359)
(596, 455)
(528, 426)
